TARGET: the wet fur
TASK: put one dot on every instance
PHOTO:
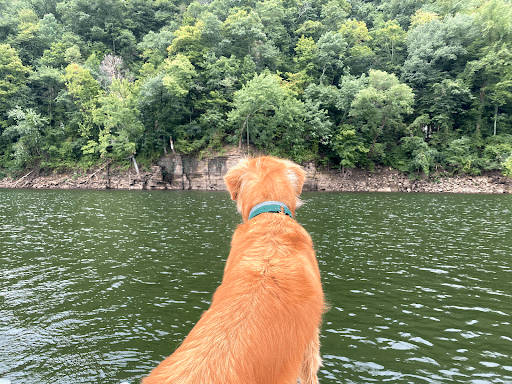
(263, 324)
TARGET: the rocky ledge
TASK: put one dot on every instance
(385, 179)
(179, 172)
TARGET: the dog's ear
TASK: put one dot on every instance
(233, 179)
(297, 177)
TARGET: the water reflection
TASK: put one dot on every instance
(100, 286)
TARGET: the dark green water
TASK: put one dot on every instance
(98, 287)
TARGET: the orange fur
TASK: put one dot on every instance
(263, 324)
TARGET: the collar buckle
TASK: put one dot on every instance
(270, 206)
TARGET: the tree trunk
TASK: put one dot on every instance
(172, 145)
(135, 165)
(243, 126)
(376, 136)
(23, 177)
(495, 118)
(108, 174)
(242, 132)
(480, 107)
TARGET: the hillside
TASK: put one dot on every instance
(418, 86)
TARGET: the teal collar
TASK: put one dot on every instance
(270, 206)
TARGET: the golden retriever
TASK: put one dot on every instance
(263, 323)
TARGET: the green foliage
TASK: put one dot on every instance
(26, 135)
(252, 105)
(12, 75)
(331, 50)
(118, 121)
(449, 100)
(422, 157)
(385, 98)
(507, 166)
(389, 39)
(348, 147)
(382, 104)
(307, 53)
(85, 91)
(154, 46)
(438, 48)
(179, 73)
(497, 150)
(404, 84)
(462, 155)
(272, 118)
(334, 12)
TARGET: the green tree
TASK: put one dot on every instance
(389, 43)
(212, 29)
(50, 30)
(492, 74)
(222, 74)
(242, 31)
(496, 151)
(27, 40)
(450, 101)
(276, 121)
(325, 96)
(47, 82)
(179, 73)
(94, 21)
(188, 42)
(489, 74)
(118, 119)
(462, 155)
(334, 13)
(331, 51)
(85, 91)
(350, 148)
(306, 53)
(421, 17)
(438, 49)
(358, 38)
(310, 28)
(26, 135)
(349, 87)
(154, 46)
(383, 103)
(161, 113)
(258, 97)
(301, 128)
(507, 166)
(275, 17)
(422, 156)
(55, 56)
(12, 75)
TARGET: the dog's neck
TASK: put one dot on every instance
(270, 206)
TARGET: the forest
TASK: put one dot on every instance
(420, 86)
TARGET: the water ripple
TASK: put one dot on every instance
(100, 286)
(419, 285)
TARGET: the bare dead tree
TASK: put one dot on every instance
(112, 68)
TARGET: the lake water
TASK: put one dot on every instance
(100, 286)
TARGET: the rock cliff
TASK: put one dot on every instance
(179, 172)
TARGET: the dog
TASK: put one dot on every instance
(264, 320)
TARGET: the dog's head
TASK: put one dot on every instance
(256, 180)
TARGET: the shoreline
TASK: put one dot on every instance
(179, 172)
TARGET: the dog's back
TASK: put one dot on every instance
(262, 325)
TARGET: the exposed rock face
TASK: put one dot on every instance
(386, 179)
(190, 173)
(179, 172)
